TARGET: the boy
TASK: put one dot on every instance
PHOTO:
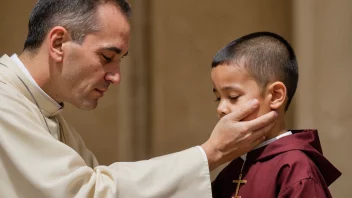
(263, 65)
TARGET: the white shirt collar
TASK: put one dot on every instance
(15, 58)
(268, 142)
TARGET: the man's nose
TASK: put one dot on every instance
(113, 75)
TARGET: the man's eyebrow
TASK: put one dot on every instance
(116, 50)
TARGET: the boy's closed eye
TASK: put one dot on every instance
(231, 98)
(234, 98)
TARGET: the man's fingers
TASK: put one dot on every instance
(263, 131)
(261, 121)
(244, 111)
(257, 141)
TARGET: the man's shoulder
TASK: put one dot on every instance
(12, 100)
(7, 91)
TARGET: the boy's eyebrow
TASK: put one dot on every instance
(228, 88)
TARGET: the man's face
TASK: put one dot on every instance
(89, 68)
(233, 88)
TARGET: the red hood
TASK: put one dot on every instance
(306, 141)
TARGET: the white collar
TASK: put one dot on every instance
(23, 68)
(268, 142)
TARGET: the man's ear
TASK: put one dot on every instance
(57, 37)
(278, 92)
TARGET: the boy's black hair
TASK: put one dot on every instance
(266, 56)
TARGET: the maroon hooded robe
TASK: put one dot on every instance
(292, 166)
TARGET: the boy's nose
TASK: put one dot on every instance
(223, 109)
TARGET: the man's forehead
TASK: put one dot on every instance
(113, 23)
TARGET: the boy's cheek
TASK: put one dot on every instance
(257, 113)
(252, 116)
(261, 110)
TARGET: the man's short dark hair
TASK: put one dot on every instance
(266, 56)
(77, 16)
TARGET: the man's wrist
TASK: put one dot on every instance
(212, 157)
(203, 153)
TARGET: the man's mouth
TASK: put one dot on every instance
(101, 91)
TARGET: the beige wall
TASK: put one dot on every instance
(165, 103)
(13, 23)
(186, 35)
(324, 46)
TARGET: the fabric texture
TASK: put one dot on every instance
(292, 166)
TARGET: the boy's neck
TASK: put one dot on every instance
(278, 129)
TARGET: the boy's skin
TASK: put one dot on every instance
(234, 87)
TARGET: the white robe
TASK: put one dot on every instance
(34, 163)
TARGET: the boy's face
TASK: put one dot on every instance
(234, 87)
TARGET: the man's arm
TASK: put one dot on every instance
(34, 164)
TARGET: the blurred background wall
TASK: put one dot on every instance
(165, 101)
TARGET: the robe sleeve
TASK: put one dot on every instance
(34, 164)
(75, 141)
(305, 188)
(301, 178)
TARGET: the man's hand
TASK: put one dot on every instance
(232, 138)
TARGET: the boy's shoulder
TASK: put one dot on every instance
(296, 169)
(296, 166)
(297, 163)
(295, 158)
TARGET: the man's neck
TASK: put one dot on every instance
(39, 68)
(34, 65)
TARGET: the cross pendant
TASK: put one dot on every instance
(238, 182)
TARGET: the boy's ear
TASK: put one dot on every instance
(277, 91)
(56, 39)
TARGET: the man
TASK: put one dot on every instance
(72, 54)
